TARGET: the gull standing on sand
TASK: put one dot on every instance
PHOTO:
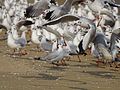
(56, 55)
(102, 50)
(16, 43)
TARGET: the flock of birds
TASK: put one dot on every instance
(64, 30)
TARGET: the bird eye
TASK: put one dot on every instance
(105, 2)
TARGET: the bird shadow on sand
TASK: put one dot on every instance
(42, 77)
(56, 68)
(82, 65)
(102, 74)
(75, 81)
(77, 88)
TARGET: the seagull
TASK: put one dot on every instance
(115, 37)
(102, 50)
(107, 18)
(56, 55)
(16, 43)
(97, 5)
(38, 8)
(36, 36)
(57, 11)
(45, 44)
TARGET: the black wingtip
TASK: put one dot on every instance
(48, 15)
(53, 1)
(28, 11)
(26, 23)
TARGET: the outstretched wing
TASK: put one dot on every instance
(3, 27)
(49, 29)
(37, 9)
(62, 19)
(24, 23)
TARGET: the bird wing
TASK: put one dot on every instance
(51, 55)
(62, 19)
(112, 3)
(21, 42)
(116, 31)
(3, 27)
(49, 29)
(75, 2)
(114, 37)
(108, 13)
(24, 23)
(37, 9)
(57, 58)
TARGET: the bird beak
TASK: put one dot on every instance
(113, 4)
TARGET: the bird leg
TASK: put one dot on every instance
(38, 49)
(57, 64)
(79, 58)
(116, 65)
(14, 53)
(67, 58)
(99, 61)
(23, 52)
(63, 63)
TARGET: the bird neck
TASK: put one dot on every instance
(23, 35)
(10, 37)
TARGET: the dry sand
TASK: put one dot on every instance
(25, 74)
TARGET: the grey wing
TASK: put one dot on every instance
(46, 46)
(21, 42)
(62, 19)
(49, 29)
(51, 55)
(37, 8)
(114, 38)
(115, 35)
(116, 31)
(58, 58)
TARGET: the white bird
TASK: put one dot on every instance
(16, 43)
(36, 36)
(46, 44)
(56, 55)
